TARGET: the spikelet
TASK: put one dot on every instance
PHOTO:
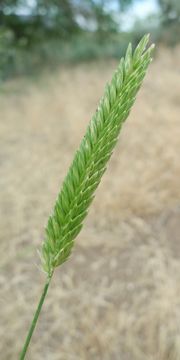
(90, 160)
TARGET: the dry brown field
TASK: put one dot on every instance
(118, 297)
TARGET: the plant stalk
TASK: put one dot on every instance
(35, 319)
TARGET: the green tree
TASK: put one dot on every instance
(170, 20)
(170, 10)
(54, 18)
(45, 19)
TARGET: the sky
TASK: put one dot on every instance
(144, 7)
(139, 10)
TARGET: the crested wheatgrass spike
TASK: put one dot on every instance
(90, 160)
(90, 163)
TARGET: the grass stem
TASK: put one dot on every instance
(34, 321)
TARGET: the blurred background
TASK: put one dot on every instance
(118, 297)
(36, 33)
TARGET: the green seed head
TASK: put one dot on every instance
(91, 158)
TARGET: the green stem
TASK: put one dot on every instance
(34, 321)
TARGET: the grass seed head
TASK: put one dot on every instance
(90, 160)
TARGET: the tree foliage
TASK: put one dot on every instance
(170, 10)
(53, 18)
(62, 19)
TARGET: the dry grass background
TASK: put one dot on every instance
(118, 297)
